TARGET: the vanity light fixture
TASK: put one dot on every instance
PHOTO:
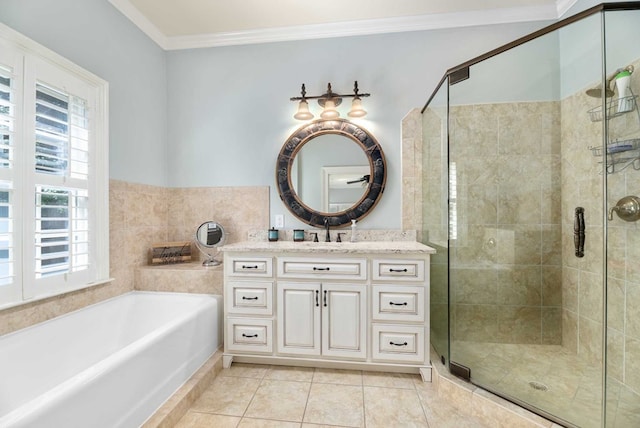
(329, 101)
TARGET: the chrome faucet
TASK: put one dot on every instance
(327, 237)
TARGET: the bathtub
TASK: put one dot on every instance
(111, 364)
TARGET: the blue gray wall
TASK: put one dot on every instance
(94, 35)
(218, 116)
(230, 113)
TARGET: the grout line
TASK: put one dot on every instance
(306, 403)
(364, 409)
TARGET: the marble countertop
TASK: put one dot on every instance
(376, 247)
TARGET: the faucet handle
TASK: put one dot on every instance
(339, 239)
(315, 236)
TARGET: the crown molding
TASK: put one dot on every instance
(130, 11)
(551, 11)
(563, 6)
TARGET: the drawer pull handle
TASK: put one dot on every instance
(398, 304)
(317, 268)
(249, 335)
(398, 344)
(398, 270)
(249, 267)
(249, 298)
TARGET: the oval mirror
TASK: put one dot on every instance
(330, 169)
(209, 236)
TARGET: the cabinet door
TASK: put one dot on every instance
(344, 321)
(298, 322)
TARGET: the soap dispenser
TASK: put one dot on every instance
(353, 230)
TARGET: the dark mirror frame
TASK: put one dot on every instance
(304, 134)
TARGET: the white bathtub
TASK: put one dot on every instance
(109, 365)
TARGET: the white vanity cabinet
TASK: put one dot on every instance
(322, 319)
(248, 304)
(342, 305)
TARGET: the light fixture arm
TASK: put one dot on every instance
(329, 95)
(329, 101)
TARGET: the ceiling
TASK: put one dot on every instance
(184, 24)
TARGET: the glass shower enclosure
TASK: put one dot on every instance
(531, 192)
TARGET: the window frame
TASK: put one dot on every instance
(32, 64)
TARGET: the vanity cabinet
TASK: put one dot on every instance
(322, 319)
(342, 305)
(248, 304)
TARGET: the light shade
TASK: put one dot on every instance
(303, 112)
(329, 111)
(356, 108)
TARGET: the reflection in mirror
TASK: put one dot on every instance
(319, 146)
(343, 186)
(209, 236)
(328, 150)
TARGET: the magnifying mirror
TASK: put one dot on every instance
(209, 236)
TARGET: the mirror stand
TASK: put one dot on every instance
(209, 236)
(210, 258)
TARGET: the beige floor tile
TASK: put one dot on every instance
(332, 404)
(340, 377)
(306, 425)
(299, 374)
(440, 413)
(265, 423)
(205, 420)
(279, 399)
(389, 380)
(392, 407)
(255, 371)
(227, 396)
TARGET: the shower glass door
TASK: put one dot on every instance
(525, 304)
(622, 49)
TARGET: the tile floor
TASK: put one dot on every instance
(249, 395)
(573, 385)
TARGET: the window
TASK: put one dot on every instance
(53, 173)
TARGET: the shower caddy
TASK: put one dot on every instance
(620, 154)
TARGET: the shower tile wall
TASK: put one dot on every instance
(506, 285)
(581, 187)
(623, 267)
(139, 216)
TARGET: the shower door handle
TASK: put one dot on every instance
(578, 232)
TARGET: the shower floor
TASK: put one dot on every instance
(550, 378)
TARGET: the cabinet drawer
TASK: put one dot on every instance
(398, 270)
(251, 266)
(249, 335)
(398, 343)
(398, 303)
(251, 298)
(294, 267)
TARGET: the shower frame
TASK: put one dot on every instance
(461, 73)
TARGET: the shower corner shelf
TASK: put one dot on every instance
(614, 108)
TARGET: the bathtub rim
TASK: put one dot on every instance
(105, 301)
